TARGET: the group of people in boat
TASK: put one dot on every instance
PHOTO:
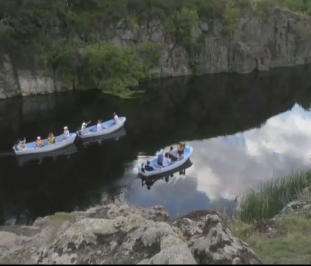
(167, 158)
(99, 125)
(21, 144)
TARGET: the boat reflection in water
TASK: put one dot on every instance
(149, 181)
(67, 151)
(92, 140)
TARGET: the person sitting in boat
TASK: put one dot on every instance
(39, 142)
(115, 118)
(84, 125)
(51, 139)
(66, 133)
(148, 167)
(99, 126)
(21, 144)
(171, 154)
(160, 158)
(181, 148)
(166, 160)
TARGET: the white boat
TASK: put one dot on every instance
(61, 142)
(67, 151)
(160, 169)
(109, 127)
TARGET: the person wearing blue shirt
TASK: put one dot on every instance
(148, 167)
(160, 158)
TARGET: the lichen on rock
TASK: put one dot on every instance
(116, 234)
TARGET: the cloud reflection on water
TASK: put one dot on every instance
(226, 166)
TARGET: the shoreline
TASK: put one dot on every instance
(119, 232)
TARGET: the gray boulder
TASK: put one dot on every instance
(123, 234)
(211, 242)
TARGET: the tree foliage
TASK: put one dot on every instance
(72, 37)
(111, 67)
(302, 6)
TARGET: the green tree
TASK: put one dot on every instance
(73, 38)
(149, 53)
(65, 61)
(112, 68)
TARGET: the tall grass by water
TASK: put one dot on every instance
(272, 196)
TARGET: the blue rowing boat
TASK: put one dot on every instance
(160, 169)
(61, 142)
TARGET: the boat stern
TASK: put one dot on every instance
(141, 170)
(73, 137)
(79, 133)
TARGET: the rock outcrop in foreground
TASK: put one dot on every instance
(271, 227)
(116, 234)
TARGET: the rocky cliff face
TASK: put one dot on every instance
(116, 234)
(262, 40)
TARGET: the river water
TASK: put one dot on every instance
(244, 129)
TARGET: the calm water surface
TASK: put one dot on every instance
(244, 130)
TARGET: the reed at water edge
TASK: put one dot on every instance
(272, 196)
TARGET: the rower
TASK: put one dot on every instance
(83, 127)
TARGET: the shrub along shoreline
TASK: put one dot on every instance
(289, 242)
(272, 196)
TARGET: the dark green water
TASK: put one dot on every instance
(244, 129)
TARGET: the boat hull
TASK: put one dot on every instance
(159, 170)
(156, 177)
(60, 143)
(99, 139)
(110, 127)
(66, 151)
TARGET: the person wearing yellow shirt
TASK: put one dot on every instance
(51, 139)
(180, 148)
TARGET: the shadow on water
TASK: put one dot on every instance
(171, 110)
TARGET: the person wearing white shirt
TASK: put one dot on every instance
(21, 145)
(66, 133)
(115, 118)
(83, 127)
(166, 160)
(99, 126)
